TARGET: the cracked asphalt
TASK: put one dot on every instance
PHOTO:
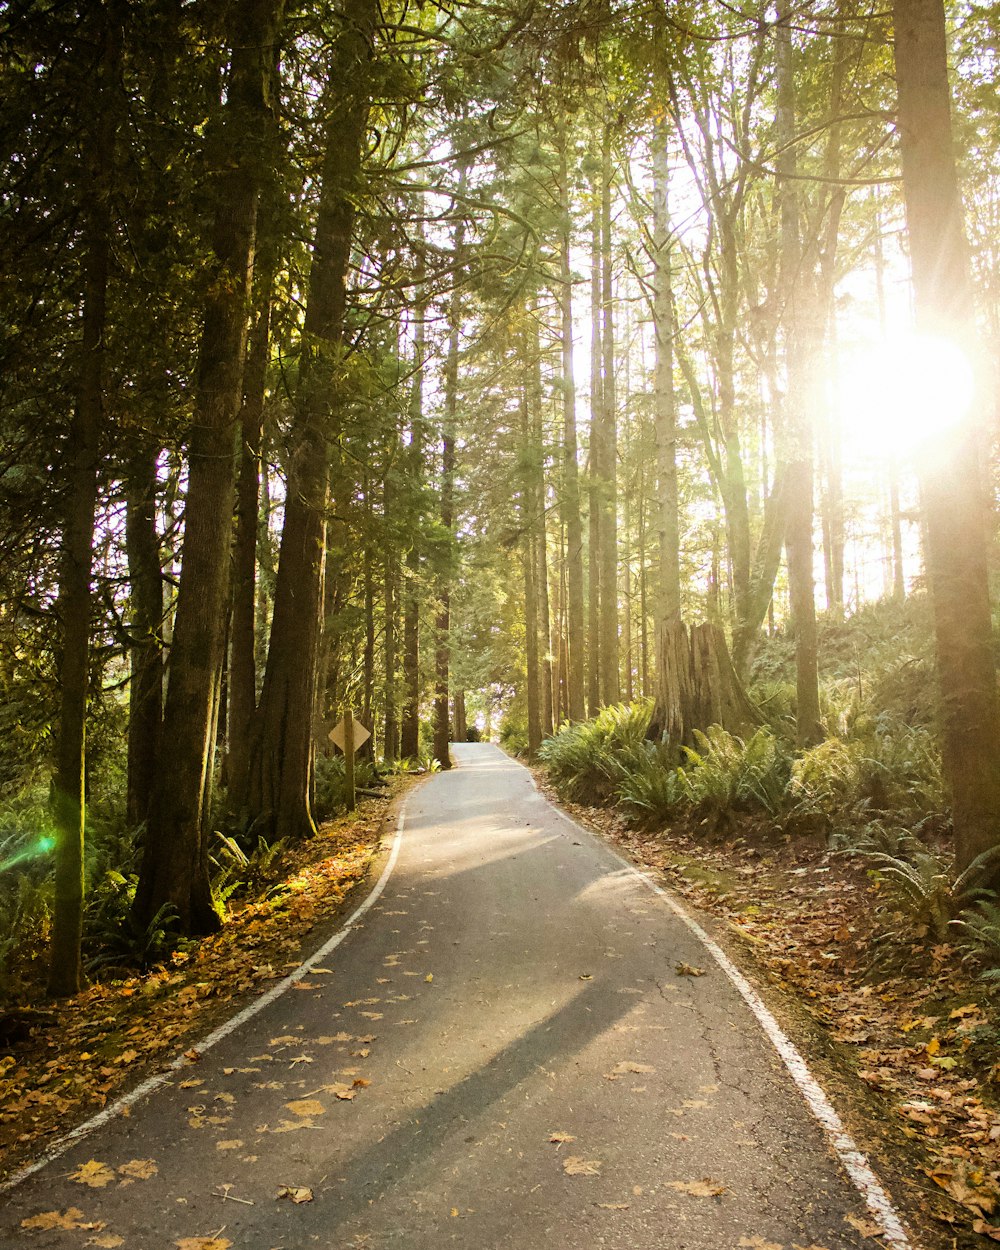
(502, 1054)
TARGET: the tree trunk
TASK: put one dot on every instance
(410, 729)
(668, 597)
(952, 489)
(608, 569)
(242, 665)
(595, 468)
(175, 863)
(281, 763)
(801, 360)
(142, 544)
(442, 658)
(390, 575)
(82, 459)
(572, 519)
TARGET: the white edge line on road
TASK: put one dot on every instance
(853, 1159)
(182, 1063)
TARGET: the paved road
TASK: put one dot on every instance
(513, 985)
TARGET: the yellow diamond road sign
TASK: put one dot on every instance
(336, 735)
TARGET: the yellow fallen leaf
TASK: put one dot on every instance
(289, 1126)
(295, 1193)
(106, 1241)
(759, 1243)
(706, 1188)
(688, 970)
(138, 1169)
(558, 1138)
(454, 1213)
(867, 1228)
(306, 1107)
(72, 1217)
(613, 1206)
(328, 1040)
(203, 1243)
(429, 977)
(235, 1144)
(575, 1166)
(94, 1174)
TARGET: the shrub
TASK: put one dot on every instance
(589, 759)
(727, 773)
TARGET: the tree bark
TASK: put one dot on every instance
(281, 760)
(82, 463)
(952, 490)
(572, 519)
(608, 567)
(175, 863)
(142, 544)
(801, 356)
(242, 665)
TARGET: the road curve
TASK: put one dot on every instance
(502, 1054)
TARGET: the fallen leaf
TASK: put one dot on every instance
(559, 1138)
(867, 1228)
(986, 1230)
(106, 1241)
(688, 970)
(759, 1243)
(72, 1217)
(454, 1213)
(306, 1107)
(295, 1193)
(621, 1068)
(138, 1169)
(203, 1243)
(612, 1206)
(429, 977)
(235, 1144)
(94, 1174)
(706, 1188)
(575, 1166)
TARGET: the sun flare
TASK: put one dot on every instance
(899, 393)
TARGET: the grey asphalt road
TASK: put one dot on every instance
(523, 1065)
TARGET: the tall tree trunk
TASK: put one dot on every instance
(175, 863)
(608, 570)
(801, 356)
(281, 761)
(530, 569)
(572, 519)
(536, 469)
(951, 480)
(145, 714)
(242, 665)
(410, 728)
(82, 462)
(390, 575)
(596, 466)
(668, 596)
(442, 657)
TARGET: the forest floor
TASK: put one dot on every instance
(61, 1063)
(906, 1037)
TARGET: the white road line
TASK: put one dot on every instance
(854, 1161)
(181, 1063)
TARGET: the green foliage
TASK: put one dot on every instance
(655, 790)
(588, 760)
(121, 942)
(976, 933)
(331, 783)
(923, 889)
(729, 774)
(885, 767)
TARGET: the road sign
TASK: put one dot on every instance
(336, 735)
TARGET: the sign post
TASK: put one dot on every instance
(349, 759)
(349, 734)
